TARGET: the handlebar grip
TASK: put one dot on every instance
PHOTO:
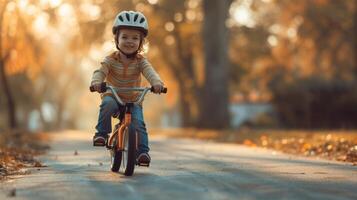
(91, 88)
(103, 88)
(164, 90)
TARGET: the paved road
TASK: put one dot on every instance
(182, 169)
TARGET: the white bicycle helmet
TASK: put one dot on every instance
(131, 19)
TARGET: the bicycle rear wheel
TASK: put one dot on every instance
(128, 155)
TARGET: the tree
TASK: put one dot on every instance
(180, 52)
(354, 33)
(4, 81)
(314, 41)
(4, 56)
(20, 58)
(214, 98)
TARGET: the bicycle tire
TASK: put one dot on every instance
(116, 157)
(129, 153)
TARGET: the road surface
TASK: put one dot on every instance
(181, 169)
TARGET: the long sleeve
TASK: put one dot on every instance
(100, 74)
(149, 73)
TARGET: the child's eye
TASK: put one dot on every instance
(124, 37)
(135, 38)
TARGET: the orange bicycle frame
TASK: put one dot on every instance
(120, 132)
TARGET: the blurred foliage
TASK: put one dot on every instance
(300, 39)
(276, 51)
(315, 103)
(306, 63)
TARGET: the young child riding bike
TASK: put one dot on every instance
(123, 69)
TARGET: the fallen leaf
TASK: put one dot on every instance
(12, 193)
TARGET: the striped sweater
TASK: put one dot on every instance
(116, 74)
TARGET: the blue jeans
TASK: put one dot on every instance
(108, 107)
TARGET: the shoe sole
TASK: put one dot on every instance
(144, 164)
(144, 161)
(99, 143)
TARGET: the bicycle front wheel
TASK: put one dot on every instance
(128, 154)
(115, 156)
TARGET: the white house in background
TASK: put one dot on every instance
(243, 112)
(240, 113)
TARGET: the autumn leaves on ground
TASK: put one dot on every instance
(19, 149)
(335, 145)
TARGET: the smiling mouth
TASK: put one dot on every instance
(128, 49)
(129, 46)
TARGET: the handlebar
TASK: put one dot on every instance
(114, 90)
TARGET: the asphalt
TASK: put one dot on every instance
(181, 169)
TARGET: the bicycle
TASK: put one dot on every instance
(124, 140)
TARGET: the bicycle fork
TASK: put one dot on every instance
(121, 130)
(120, 135)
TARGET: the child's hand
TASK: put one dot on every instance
(97, 87)
(157, 88)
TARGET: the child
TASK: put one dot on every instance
(123, 68)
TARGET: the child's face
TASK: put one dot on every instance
(129, 40)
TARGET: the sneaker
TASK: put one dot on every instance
(99, 140)
(144, 159)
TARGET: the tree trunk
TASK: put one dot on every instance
(11, 109)
(185, 68)
(355, 38)
(187, 118)
(185, 111)
(214, 95)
